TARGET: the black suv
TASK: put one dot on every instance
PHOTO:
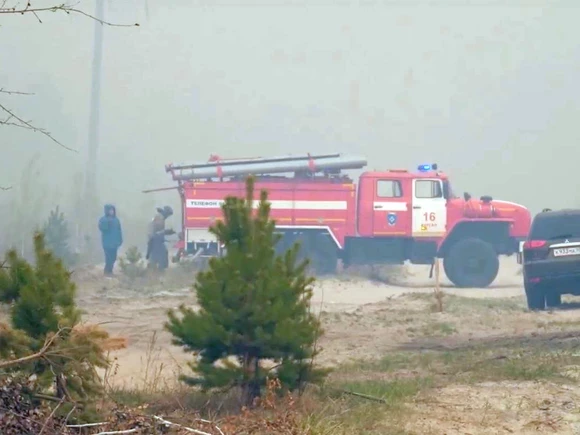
(551, 258)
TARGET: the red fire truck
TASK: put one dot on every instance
(388, 217)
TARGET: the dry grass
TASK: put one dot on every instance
(454, 304)
(179, 275)
(327, 409)
(399, 383)
(484, 365)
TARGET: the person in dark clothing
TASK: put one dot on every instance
(111, 237)
(157, 253)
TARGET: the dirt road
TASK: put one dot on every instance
(371, 320)
(360, 317)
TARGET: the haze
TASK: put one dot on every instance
(487, 91)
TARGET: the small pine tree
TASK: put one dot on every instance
(57, 235)
(42, 308)
(254, 306)
(132, 264)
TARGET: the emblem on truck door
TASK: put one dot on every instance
(392, 218)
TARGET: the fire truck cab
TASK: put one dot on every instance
(416, 216)
(390, 216)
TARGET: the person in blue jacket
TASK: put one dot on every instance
(111, 237)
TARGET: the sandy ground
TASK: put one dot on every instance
(364, 319)
(355, 313)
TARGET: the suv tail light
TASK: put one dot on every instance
(534, 244)
(535, 250)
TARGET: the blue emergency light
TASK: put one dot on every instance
(427, 167)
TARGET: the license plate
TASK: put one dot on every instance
(561, 252)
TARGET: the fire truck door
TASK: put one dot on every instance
(429, 208)
(390, 209)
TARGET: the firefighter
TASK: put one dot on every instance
(111, 237)
(157, 253)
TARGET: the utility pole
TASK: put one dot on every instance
(91, 186)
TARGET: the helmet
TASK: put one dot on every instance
(165, 211)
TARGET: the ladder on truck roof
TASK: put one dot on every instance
(217, 167)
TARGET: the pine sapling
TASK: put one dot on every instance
(57, 235)
(43, 311)
(132, 264)
(254, 319)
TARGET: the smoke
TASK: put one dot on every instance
(487, 92)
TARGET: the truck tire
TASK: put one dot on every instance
(471, 263)
(553, 300)
(321, 251)
(448, 271)
(323, 254)
(325, 265)
(535, 297)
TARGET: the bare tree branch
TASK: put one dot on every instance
(5, 188)
(63, 7)
(4, 91)
(11, 118)
(27, 125)
(44, 426)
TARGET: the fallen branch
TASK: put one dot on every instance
(117, 432)
(155, 417)
(50, 398)
(103, 423)
(80, 426)
(73, 409)
(188, 429)
(40, 354)
(210, 423)
(352, 393)
(364, 396)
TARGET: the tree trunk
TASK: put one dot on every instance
(251, 388)
(60, 382)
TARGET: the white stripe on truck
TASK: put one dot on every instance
(275, 204)
(389, 206)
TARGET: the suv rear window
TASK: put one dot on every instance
(557, 226)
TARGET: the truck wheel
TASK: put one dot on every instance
(321, 251)
(323, 255)
(325, 266)
(535, 296)
(471, 263)
(328, 262)
(553, 300)
(448, 271)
